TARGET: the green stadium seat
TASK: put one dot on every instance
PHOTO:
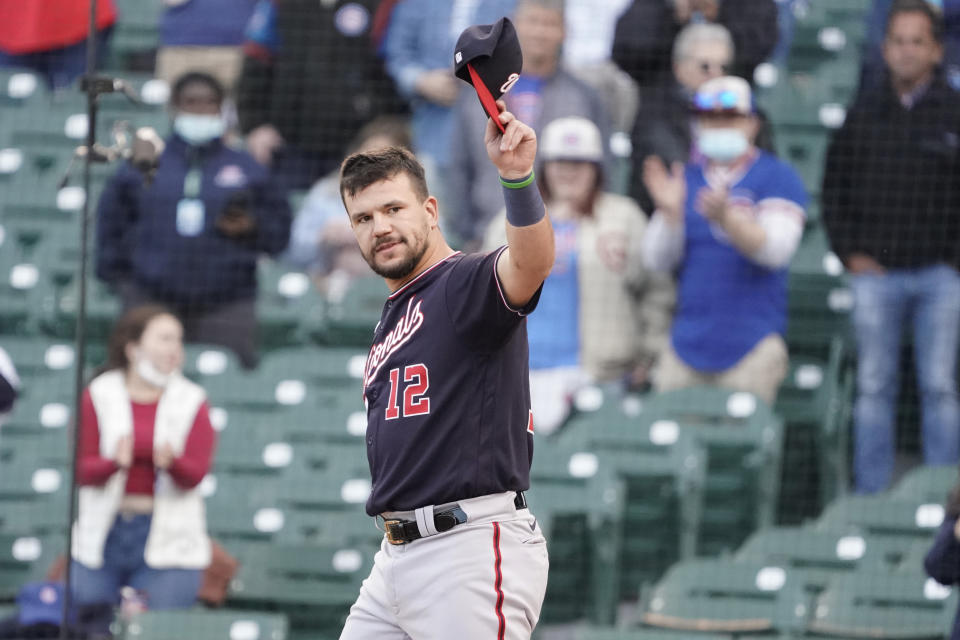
(929, 484)
(25, 558)
(663, 472)
(285, 298)
(21, 87)
(822, 555)
(32, 518)
(314, 586)
(806, 152)
(581, 518)
(210, 624)
(883, 515)
(720, 596)
(813, 401)
(743, 440)
(888, 606)
(351, 316)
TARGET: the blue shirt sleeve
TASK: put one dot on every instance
(786, 183)
(476, 303)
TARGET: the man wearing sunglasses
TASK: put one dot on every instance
(728, 223)
(662, 128)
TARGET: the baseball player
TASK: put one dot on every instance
(449, 427)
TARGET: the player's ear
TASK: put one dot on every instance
(433, 210)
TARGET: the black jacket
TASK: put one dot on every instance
(315, 75)
(891, 184)
(942, 562)
(643, 40)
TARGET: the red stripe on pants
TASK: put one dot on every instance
(499, 581)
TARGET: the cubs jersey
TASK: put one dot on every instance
(727, 303)
(446, 386)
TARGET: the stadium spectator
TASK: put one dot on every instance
(145, 444)
(589, 26)
(645, 33)
(311, 78)
(190, 237)
(544, 92)
(603, 317)
(663, 126)
(729, 224)
(874, 73)
(891, 193)
(203, 35)
(942, 561)
(50, 36)
(419, 56)
(322, 241)
(9, 385)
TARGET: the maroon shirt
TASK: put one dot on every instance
(187, 470)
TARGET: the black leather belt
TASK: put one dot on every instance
(404, 531)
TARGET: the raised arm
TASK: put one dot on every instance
(526, 263)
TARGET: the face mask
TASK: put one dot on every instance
(150, 374)
(722, 145)
(198, 129)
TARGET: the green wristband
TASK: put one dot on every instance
(518, 184)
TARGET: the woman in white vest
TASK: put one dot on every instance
(146, 443)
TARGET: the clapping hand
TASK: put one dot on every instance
(163, 456)
(667, 187)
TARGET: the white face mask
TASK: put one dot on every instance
(198, 128)
(722, 145)
(149, 373)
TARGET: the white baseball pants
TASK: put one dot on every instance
(484, 579)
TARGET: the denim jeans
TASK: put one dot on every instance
(929, 299)
(123, 565)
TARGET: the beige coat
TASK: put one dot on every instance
(625, 310)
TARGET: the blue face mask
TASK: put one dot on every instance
(198, 129)
(722, 145)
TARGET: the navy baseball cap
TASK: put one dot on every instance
(488, 57)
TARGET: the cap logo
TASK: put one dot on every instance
(458, 57)
(511, 80)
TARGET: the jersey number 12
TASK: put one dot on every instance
(417, 382)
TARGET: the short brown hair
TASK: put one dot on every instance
(360, 170)
(917, 6)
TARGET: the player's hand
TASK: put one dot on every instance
(713, 204)
(514, 151)
(858, 263)
(163, 456)
(438, 86)
(123, 455)
(667, 187)
(262, 142)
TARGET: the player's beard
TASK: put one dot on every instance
(415, 253)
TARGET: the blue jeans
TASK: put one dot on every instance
(123, 565)
(929, 298)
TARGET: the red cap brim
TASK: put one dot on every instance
(486, 98)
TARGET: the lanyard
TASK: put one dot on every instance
(192, 181)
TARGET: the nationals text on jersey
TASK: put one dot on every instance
(406, 327)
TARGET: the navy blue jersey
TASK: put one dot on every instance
(447, 389)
